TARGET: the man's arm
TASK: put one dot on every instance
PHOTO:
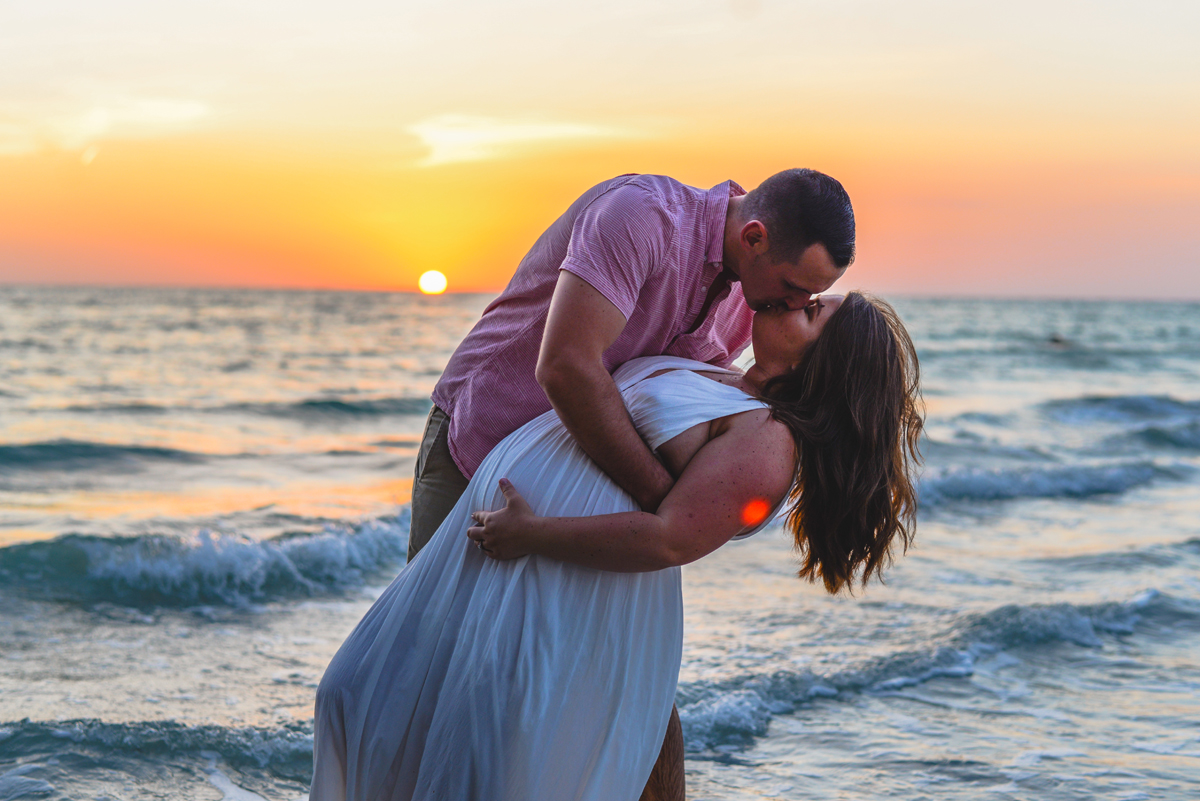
(581, 325)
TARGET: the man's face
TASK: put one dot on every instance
(770, 283)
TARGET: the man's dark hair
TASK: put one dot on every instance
(801, 208)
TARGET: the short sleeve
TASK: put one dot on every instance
(618, 241)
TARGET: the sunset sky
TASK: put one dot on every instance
(1020, 149)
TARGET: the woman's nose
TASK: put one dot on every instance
(796, 302)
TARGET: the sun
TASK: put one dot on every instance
(432, 283)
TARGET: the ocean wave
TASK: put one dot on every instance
(285, 751)
(969, 450)
(69, 454)
(28, 343)
(1016, 625)
(309, 409)
(1081, 481)
(16, 783)
(118, 408)
(205, 568)
(719, 716)
(1119, 408)
(984, 418)
(730, 714)
(1050, 353)
(316, 408)
(1163, 555)
(1033, 625)
(1185, 436)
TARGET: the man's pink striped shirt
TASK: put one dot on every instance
(649, 244)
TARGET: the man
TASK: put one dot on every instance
(640, 265)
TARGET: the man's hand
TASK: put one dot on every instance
(499, 534)
(581, 325)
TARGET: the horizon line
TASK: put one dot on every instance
(965, 296)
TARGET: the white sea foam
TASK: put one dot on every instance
(16, 783)
(229, 790)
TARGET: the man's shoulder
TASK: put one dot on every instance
(661, 188)
(658, 202)
(658, 198)
(664, 188)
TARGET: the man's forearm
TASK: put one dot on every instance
(590, 406)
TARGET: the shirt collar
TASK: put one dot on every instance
(716, 203)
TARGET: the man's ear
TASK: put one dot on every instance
(754, 237)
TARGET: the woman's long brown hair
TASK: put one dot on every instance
(853, 405)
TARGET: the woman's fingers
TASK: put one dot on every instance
(512, 498)
(479, 540)
(475, 534)
(492, 531)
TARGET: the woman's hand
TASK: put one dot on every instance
(499, 534)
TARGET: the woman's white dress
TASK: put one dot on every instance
(524, 680)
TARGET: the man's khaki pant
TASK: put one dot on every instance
(437, 483)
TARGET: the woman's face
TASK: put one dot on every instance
(780, 337)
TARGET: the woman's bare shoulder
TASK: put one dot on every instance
(768, 441)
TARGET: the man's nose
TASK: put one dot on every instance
(795, 302)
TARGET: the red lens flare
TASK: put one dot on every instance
(755, 511)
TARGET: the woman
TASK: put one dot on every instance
(553, 678)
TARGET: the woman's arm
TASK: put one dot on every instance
(751, 462)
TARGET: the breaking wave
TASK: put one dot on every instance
(719, 715)
(286, 751)
(205, 568)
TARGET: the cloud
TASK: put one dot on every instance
(28, 130)
(16, 139)
(456, 138)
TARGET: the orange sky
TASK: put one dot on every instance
(1016, 154)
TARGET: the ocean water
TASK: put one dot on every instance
(202, 491)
